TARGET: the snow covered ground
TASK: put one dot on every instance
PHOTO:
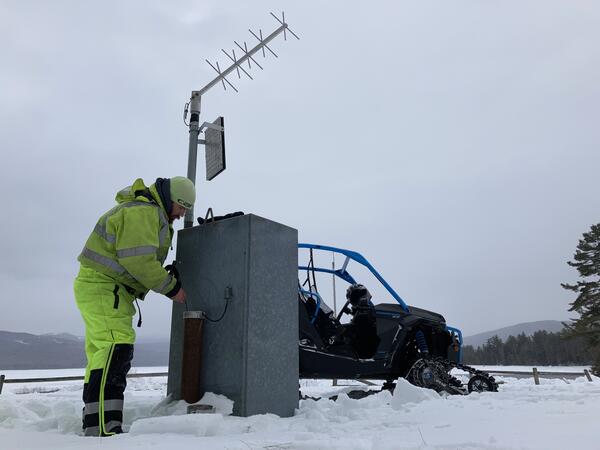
(557, 414)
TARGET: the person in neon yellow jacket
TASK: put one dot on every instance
(121, 261)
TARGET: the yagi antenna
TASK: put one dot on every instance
(236, 64)
(215, 155)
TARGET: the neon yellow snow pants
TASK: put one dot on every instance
(107, 310)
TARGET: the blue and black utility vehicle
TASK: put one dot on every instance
(381, 341)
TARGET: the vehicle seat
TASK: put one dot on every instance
(326, 325)
(306, 329)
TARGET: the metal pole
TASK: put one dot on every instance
(335, 381)
(1, 382)
(333, 277)
(193, 150)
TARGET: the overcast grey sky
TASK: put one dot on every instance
(453, 143)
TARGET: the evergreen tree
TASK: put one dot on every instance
(587, 304)
(471, 355)
(496, 350)
(511, 351)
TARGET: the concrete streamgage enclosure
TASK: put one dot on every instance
(251, 354)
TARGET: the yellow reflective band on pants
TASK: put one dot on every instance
(107, 310)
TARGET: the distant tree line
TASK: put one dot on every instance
(543, 348)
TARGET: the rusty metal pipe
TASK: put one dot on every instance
(191, 388)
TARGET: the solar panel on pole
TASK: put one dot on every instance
(214, 145)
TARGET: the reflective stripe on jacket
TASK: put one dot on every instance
(131, 241)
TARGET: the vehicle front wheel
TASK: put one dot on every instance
(479, 383)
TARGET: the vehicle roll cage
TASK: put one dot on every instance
(345, 275)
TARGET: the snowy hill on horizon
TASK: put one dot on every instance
(529, 328)
(64, 351)
(25, 351)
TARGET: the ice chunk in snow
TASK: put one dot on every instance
(221, 403)
(199, 425)
(176, 420)
(167, 407)
(195, 424)
(409, 393)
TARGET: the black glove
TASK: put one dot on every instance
(173, 270)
